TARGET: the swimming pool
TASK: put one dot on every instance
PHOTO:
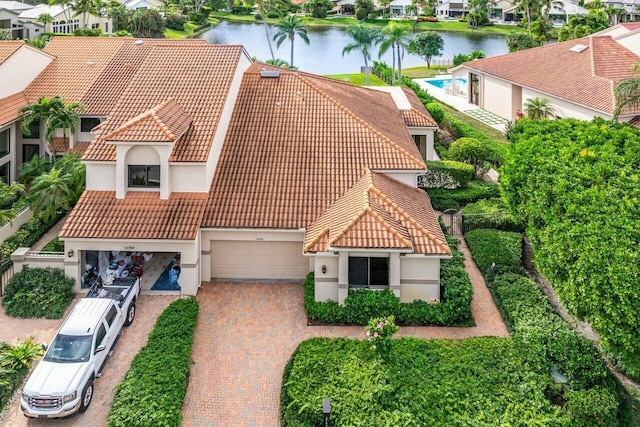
(442, 83)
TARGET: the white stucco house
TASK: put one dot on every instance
(247, 171)
(9, 12)
(142, 4)
(65, 20)
(577, 76)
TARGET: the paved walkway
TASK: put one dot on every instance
(133, 338)
(49, 235)
(246, 332)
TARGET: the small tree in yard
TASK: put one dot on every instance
(539, 108)
(380, 330)
(427, 45)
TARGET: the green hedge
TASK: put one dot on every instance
(446, 174)
(154, 388)
(360, 306)
(489, 213)
(504, 248)
(55, 245)
(476, 151)
(443, 199)
(592, 395)
(29, 233)
(459, 129)
(38, 292)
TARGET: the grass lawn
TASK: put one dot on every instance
(477, 381)
(464, 28)
(358, 79)
(492, 133)
(424, 72)
(188, 30)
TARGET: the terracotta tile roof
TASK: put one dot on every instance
(79, 61)
(197, 77)
(166, 122)
(296, 143)
(635, 121)
(631, 26)
(108, 87)
(8, 48)
(586, 77)
(61, 145)
(11, 106)
(418, 115)
(141, 215)
(378, 212)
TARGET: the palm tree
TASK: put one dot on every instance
(291, 26)
(55, 114)
(33, 169)
(363, 39)
(265, 7)
(84, 8)
(66, 6)
(396, 37)
(627, 93)
(539, 108)
(45, 18)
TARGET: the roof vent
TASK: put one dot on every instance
(138, 42)
(91, 63)
(579, 48)
(268, 74)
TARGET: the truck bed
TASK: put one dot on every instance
(118, 290)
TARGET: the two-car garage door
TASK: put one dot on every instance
(257, 260)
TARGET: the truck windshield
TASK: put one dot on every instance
(69, 349)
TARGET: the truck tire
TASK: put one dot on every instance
(87, 395)
(130, 314)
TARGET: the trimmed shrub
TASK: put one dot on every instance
(445, 174)
(495, 151)
(55, 245)
(436, 111)
(87, 32)
(479, 215)
(153, 389)
(443, 199)
(362, 305)
(29, 233)
(476, 152)
(38, 292)
(504, 248)
(175, 22)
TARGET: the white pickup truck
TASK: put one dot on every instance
(62, 383)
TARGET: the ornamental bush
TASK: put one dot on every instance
(154, 387)
(476, 152)
(575, 185)
(15, 361)
(489, 213)
(380, 331)
(38, 292)
(446, 174)
(502, 248)
(443, 199)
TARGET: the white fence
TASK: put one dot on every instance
(11, 227)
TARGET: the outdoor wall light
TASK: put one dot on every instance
(324, 269)
(326, 410)
(70, 253)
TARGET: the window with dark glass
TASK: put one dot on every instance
(5, 173)
(102, 332)
(88, 123)
(34, 131)
(144, 176)
(367, 272)
(5, 142)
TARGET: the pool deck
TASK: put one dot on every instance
(460, 103)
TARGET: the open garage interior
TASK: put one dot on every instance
(256, 260)
(158, 271)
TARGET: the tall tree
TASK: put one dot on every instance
(55, 114)
(34, 168)
(396, 37)
(317, 8)
(45, 19)
(364, 38)
(84, 8)
(267, 7)
(67, 7)
(118, 14)
(530, 8)
(539, 108)
(289, 27)
(520, 41)
(427, 45)
(627, 93)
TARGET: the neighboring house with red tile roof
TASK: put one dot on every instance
(239, 167)
(577, 76)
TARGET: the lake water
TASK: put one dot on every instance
(323, 55)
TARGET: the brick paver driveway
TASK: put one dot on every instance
(246, 332)
(133, 338)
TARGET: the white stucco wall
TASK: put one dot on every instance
(190, 277)
(101, 176)
(419, 278)
(21, 68)
(408, 177)
(326, 284)
(189, 177)
(564, 109)
(497, 96)
(631, 42)
(207, 235)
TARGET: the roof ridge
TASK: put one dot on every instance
(161, 124)
(151, 113)
(308, 246)
(411, 220)
(362, 213)
(351, 223)
(360, 120)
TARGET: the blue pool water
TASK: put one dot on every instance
(441, 83)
